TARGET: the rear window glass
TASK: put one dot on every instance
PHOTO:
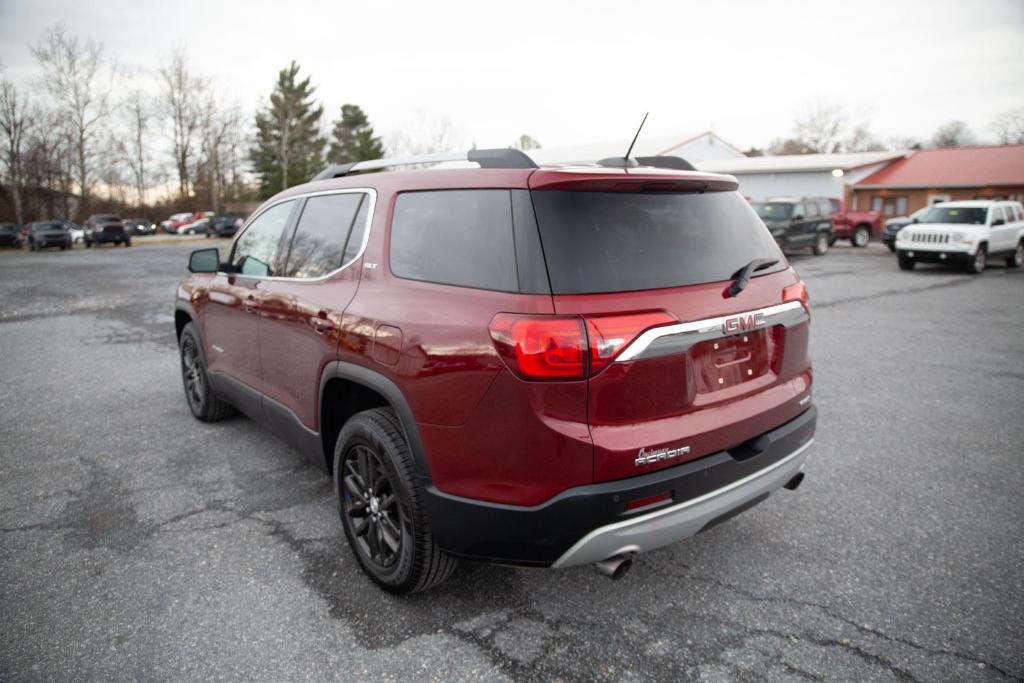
(455, 237)
(615, 242)
(319, 240)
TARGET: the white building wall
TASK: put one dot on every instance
(705, 148)
(760, 186)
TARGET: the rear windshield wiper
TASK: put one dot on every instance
(742, 276)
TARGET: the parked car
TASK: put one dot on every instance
(857, 226)
(106, 227)
(140, 226)
(10, 235)
(76, 231)
(223, 226)
(894, 225)
(548, 367)
(798, 223)
(964, 233)
(46, 234)
(177, 220)
(198, 227)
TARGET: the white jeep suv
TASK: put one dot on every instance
(968, 233)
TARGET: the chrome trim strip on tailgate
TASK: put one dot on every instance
(660, 341)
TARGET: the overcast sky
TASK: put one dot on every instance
(578, 72)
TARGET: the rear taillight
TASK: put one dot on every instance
(797, 292)
(567, 347)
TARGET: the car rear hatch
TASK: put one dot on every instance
(679, 367)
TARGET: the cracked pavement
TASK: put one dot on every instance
(138, 543)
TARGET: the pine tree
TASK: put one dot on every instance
(353, 137)
(289, 149)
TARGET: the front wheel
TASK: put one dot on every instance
(204, 404)
(127, 243)
(382, 508)
(906, 263)
(1017, 259)
(861, 236)
(821, 243)
(976, 263)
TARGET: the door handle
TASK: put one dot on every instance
(249, 304)
(321, 324)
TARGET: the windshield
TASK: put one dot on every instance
(973, 215)
(773, 211)
(626, 241)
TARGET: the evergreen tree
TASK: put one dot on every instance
(353, 137)
(289, 149)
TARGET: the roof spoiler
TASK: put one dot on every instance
(675, 163)
(487, 158)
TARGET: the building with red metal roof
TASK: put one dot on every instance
(940, 175)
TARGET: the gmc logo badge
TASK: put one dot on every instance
(743, 323)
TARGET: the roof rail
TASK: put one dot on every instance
(487, 158)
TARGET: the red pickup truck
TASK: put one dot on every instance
(857, 226)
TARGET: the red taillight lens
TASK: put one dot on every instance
(559, 347)
(610, 334)
(797, 292)
(543, 347)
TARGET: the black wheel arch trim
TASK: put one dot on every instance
(371, 379)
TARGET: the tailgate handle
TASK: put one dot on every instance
(750, 449)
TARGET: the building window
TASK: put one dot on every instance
(890, 206)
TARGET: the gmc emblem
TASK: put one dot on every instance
(743, 323)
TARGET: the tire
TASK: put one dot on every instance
(1017, 259)
(127, 243)
(821, 244)
(32, 246)
(371, 446)
(976, 263)
(204, 404)
(892, 247)
(861, 236)
(906, 263)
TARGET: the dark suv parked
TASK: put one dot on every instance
(799, 223)
(548, 367)
(105, 227)
(45, 234)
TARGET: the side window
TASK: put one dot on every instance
(357, 235)
(318, 245)
(997, 214)
(825, 206)
(812, 209)
(1018, 215)
(455, 237)
(255, 250)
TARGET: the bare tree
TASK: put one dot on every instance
(15, 123)
(426, 136)
(953, 134)
(1009, 127)
(75, 77)
(48, 165)
(821, 128)
(133, 146)
(182, 95)
(525, 142)
(220, 143)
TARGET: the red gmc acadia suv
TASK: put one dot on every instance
(534, 366)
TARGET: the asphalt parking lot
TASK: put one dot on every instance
(137, 543)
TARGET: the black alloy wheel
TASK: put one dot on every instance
(193, 375)
(380, 523)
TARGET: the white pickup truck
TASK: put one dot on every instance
(967, 233)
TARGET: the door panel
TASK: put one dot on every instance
(232, 344)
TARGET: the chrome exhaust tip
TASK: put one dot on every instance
(795, 482)
(615, 567)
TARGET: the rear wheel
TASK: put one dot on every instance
(127, 243)
(1017, 259)
(861, 236)
(976, 263)
(821, 243)
(906, 263)
(203, 403)
(381, 505)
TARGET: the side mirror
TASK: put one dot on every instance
(998, 221)
(798, 216)
(914, 220)
(204, 261)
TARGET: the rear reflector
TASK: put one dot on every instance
(649, 500)
(567, 347)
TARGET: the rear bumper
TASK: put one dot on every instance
(589, 523)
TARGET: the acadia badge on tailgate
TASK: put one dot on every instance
(645, 457)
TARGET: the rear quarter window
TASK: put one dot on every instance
(455, 237)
